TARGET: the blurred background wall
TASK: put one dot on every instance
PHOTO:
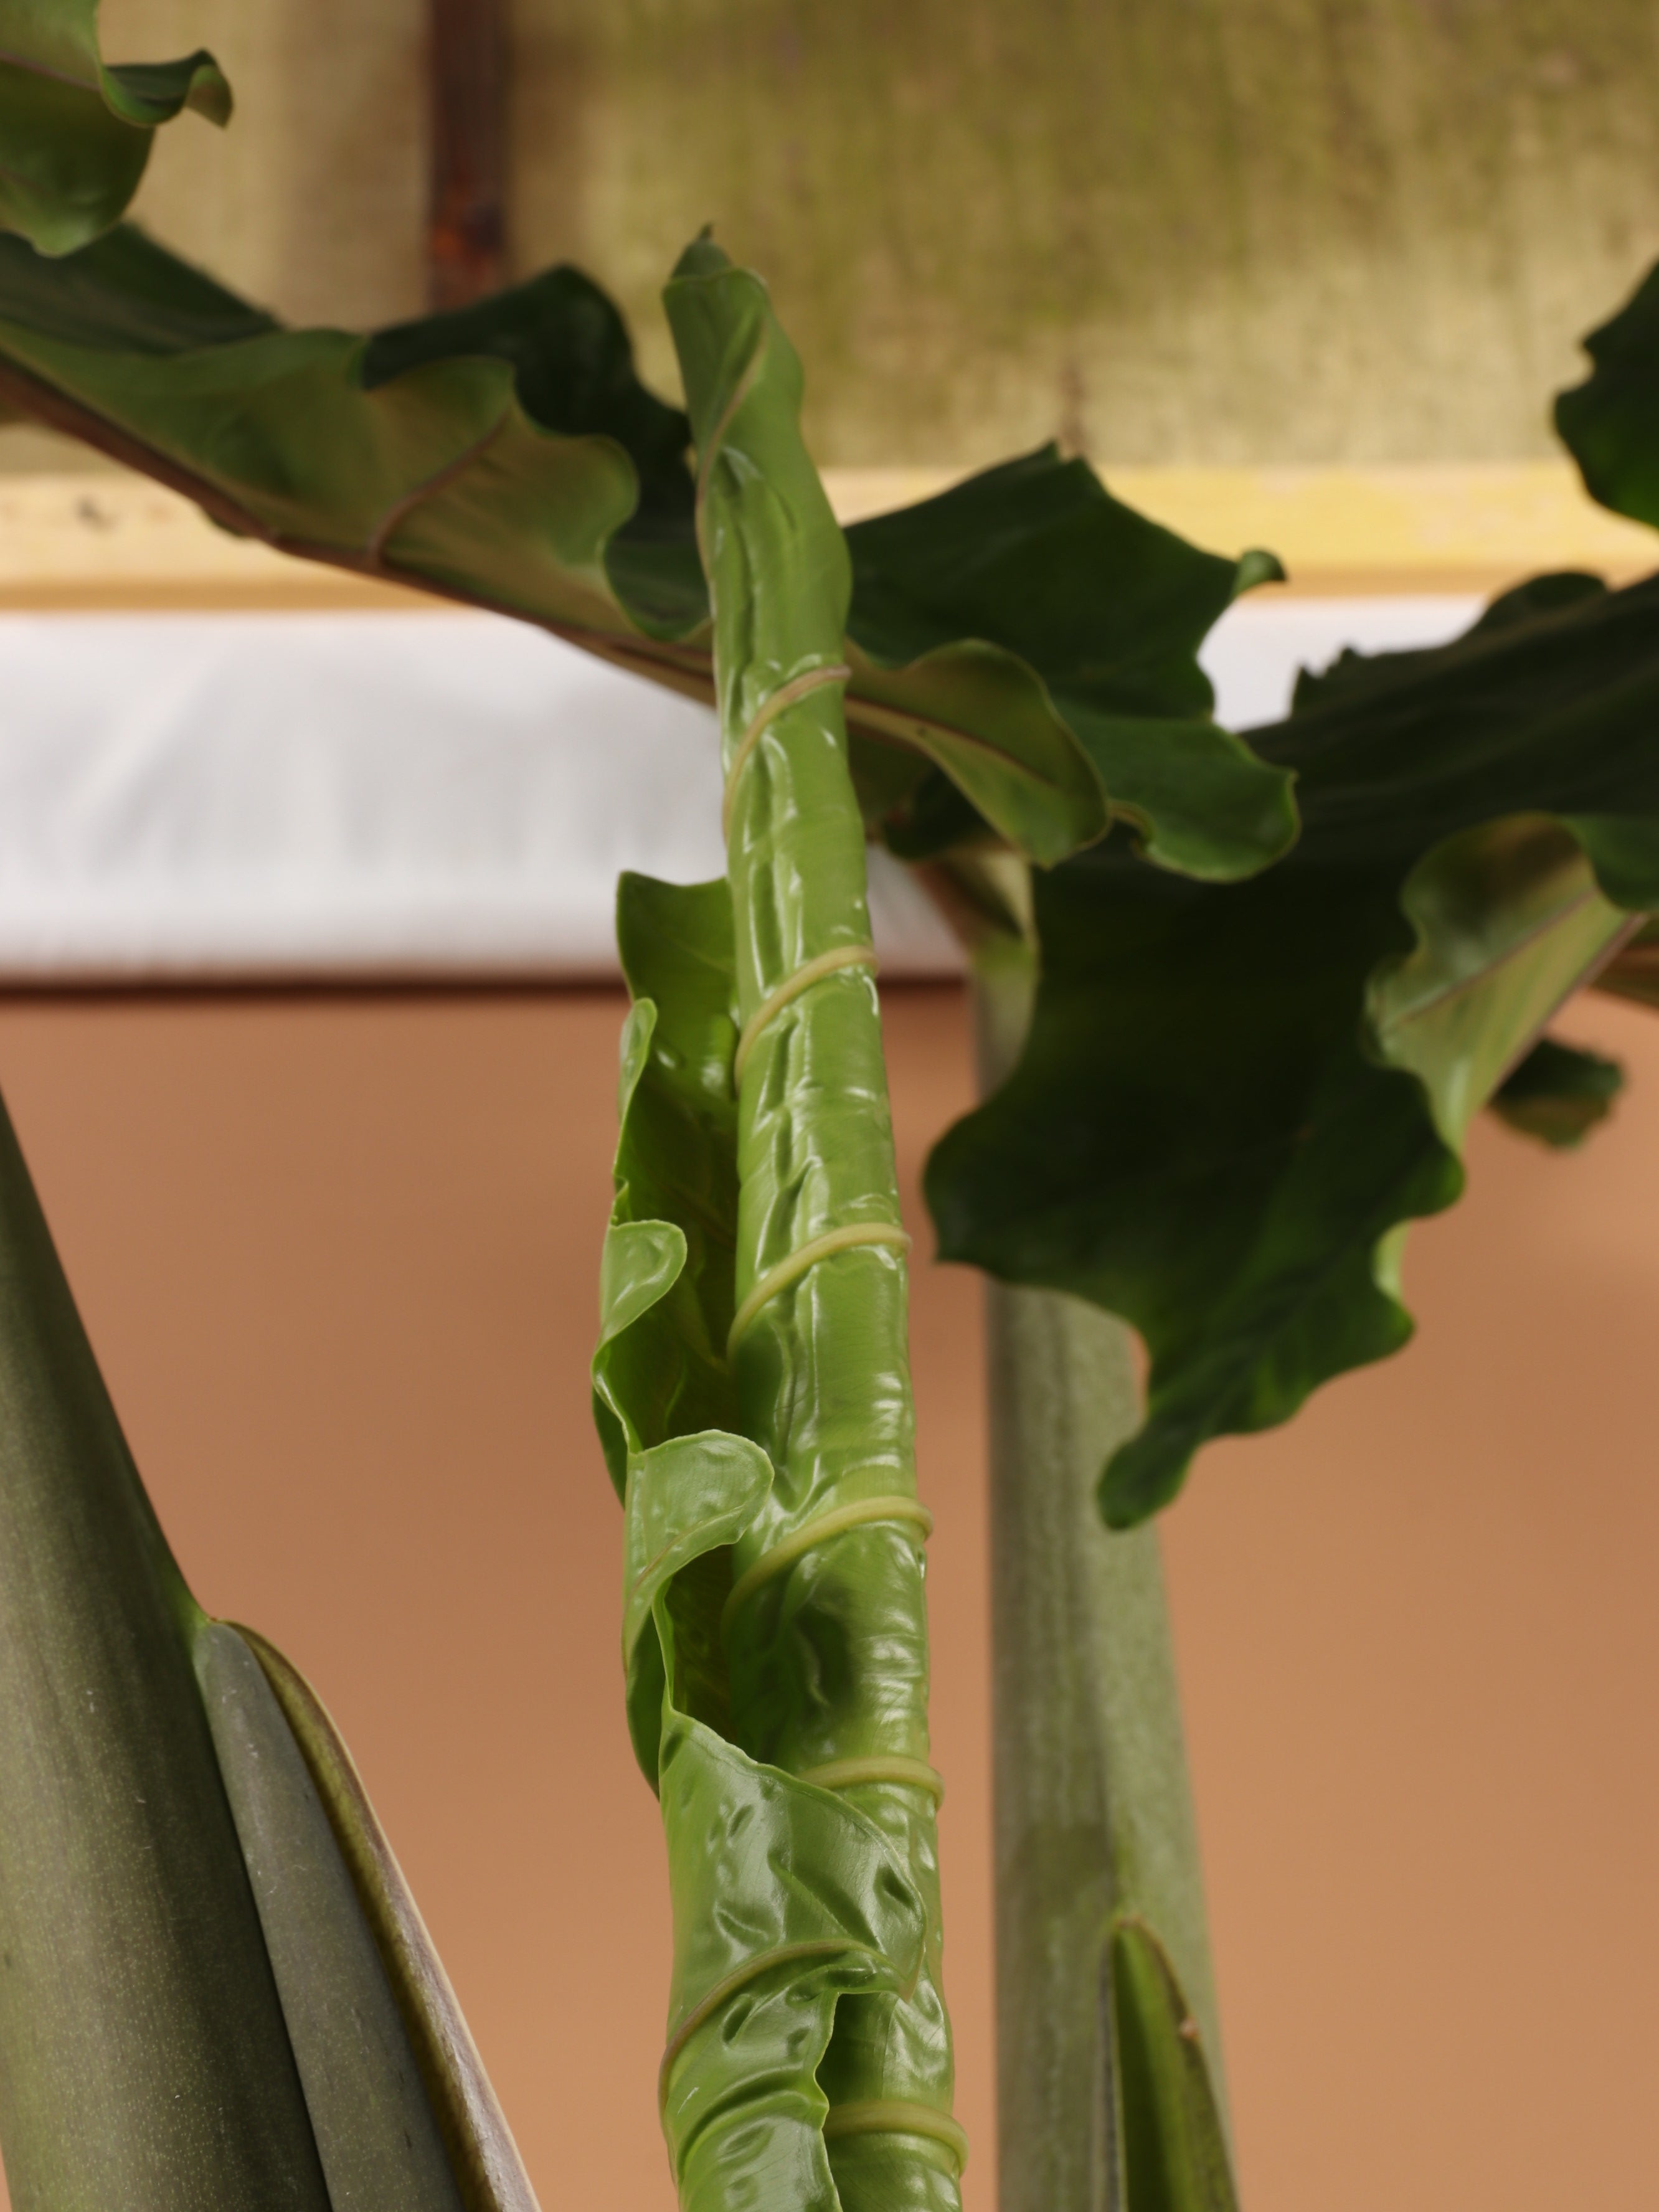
(1261, 230)
(338, 1257)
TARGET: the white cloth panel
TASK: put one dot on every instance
(358, 794)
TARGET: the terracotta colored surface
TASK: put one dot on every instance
(338, 1258)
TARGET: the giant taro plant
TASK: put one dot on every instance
(1239, 1003)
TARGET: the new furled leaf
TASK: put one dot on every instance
(826, 1623)
(76, 132)
(788, 1900)
(506, 455)
(1232, 1096)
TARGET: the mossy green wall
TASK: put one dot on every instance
(1175, 230)
(1170, 230)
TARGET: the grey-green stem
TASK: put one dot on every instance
(1094, 1815)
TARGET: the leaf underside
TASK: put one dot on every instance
(1231, 1098)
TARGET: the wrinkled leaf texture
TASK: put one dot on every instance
(785, 1899)
(1022, 646)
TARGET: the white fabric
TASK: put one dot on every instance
(350, 794)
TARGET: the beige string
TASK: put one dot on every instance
(890, 2115)
(849, 1773)
(842, 955)
(815, 1249)
(818, 1530)
(787, 695)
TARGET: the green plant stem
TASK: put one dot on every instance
(1094, 1815)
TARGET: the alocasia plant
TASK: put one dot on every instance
(1225, 1065)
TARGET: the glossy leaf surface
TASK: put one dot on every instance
(1232, 1096)
(1025, 644)
(74, 133)
(827, 1628)
(785, 1899)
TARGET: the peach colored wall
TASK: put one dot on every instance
(338, 1258)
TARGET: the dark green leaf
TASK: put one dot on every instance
(75, 135)
(1056, 580)
(1610, 423)
(1558, 1093)
(1231, 1096)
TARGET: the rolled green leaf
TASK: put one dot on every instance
(826, 1623)
(1232, 1098)
(74, 133)
(1022, 648)
(788, 1900)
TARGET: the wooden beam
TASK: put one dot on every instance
(466, 226)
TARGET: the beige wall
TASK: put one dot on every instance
(338, 1257)
(1254, 231)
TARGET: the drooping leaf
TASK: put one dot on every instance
(1024, 646)
(1558, 1093)
(74, 133)
(1610, 423)
(1090, 617)
(1232, 1096)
